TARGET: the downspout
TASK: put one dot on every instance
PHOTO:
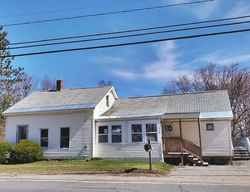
(162, 143)
(230, 140)
(93, 136)
(182, 157)
(199, 127)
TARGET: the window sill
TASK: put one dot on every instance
(64, 149)
(129, 143)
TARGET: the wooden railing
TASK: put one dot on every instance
(177, 144)
(172, 144)
(190, 147)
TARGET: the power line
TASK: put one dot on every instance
(129, 43)
(106, 13)
(132, 30)
(132, 35)
(64, 10)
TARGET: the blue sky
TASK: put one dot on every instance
(135, 70)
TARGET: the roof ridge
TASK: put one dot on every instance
(174, 94)
(77, 88)
(96, 87)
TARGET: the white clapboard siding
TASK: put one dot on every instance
(127, 151)
(101, 107)
(80, 125)
(217, 142)
(63, 154)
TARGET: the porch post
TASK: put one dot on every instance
(199, 127)
(163, 145)
(181, 141)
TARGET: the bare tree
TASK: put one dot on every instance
(47, 84)
(183, 84)
(23, 88)
(103, 83)
(235, 78)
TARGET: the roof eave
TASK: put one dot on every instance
(46, 111)
(129, 116)
(217, 115)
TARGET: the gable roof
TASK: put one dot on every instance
(212, 101)
(66, 99)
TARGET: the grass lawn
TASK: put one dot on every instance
(85, 167)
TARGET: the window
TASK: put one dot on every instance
(22, 132)
(44, 138)
(103, 134)
(64, 140)
(151, 132)
(107, 101)
(116, 134)
(210, 126)
(136, 130)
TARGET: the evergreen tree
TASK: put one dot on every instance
(12, 79)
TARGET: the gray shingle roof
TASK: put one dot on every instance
(66, 99)
(214, 101)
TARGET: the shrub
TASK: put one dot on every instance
(26, 151)
(5, 149)
(96, 159)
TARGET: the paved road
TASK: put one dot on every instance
(230, 178)
(30, 185)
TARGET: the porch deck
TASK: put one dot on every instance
(180, 146)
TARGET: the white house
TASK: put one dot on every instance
(94, 122)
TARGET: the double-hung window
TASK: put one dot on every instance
(116, 131)
(44, 138)
(103, 134)
(65, 135)
(22, 132)
(151, 132)
(136, 130)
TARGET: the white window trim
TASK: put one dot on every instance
(110, 124)
(17, 132)
(155, 132)
(41, 137)
(69, 139)
(116, 133)
(102, 134)
(144, 134)
(131, 132)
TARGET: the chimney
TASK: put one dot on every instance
(59, 85)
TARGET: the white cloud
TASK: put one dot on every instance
(164, 68)
(206, 10)
(222, 59)
(239, 9)
(124, 74)
(201, 11)
(108, 60)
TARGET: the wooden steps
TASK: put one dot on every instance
(195, 160)
(241, 153)
(188, 158)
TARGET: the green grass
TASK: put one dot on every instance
(86, 167)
